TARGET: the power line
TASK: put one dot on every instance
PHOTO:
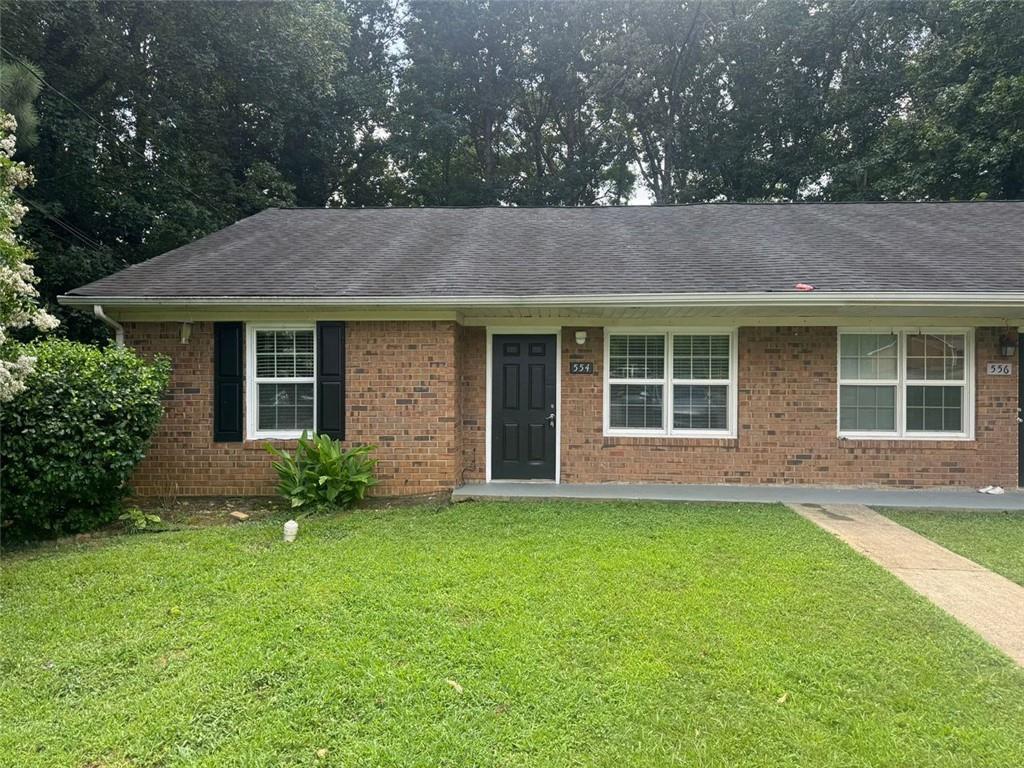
(70, 228)
(106, 128)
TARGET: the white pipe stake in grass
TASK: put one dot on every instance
(291, 530)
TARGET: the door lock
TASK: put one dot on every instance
(551, 419)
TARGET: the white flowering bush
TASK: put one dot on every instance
(19, 307)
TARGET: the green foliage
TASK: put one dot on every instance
(71, 439)
(192, 115)
(321, 472)
(960, 132)
(136, 520)
(19, 89)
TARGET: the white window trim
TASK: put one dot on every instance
(667, 430)
(253, 432)
(901, 382)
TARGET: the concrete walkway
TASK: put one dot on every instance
(988, 603)
(796, 494)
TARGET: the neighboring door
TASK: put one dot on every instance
(1020, 413)
(523, 407)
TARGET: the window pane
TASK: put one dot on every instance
(700, 357)
(285, 406)
(284, 354)
(635, 406)
(867, 409)
(304, 342)
(935, 356)
(265, 354)
(934, 409)
(265, 342)
(868, 356)
(285, 366)
(636, 357)
(264, 366)
(699, 406)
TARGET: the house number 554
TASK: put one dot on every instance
(999, 369)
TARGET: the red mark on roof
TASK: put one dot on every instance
(804, 287)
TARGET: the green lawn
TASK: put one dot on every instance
(992, 539)
(551, 634)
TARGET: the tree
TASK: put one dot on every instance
(806, 87)
(19, 88)
(181, 118)
(959, 133)
(455, 93)
(562, 147)
(497, 104)
(18, 295)
(658, 72)
(175, 119)
(367, 171)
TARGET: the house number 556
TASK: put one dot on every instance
(999, 369)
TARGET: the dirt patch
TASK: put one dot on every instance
(211, 510)
(206, 511)
(216, 510)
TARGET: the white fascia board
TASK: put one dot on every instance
(829, 299)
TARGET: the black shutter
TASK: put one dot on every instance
(228, 372)
(330, 379)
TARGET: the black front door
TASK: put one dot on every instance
(523, 401)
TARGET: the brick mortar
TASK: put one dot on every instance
(417, 390)
(787, 399)
(401, 380)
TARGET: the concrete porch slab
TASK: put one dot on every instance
(787, 494)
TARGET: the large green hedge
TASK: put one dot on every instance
(70, 441)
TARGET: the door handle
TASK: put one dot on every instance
(551, 420)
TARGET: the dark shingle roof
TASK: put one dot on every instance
(518, 252)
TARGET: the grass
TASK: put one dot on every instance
(552, 634)
(989, 538)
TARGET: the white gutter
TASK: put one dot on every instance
(823, 298)
(118, 328)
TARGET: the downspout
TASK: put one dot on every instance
(118, 328)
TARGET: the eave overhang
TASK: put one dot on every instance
(777, 309)
(779, 300)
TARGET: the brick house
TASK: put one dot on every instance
(868, 344)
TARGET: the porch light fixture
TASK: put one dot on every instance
(581, 337)
(186, 332)
(1007, 345)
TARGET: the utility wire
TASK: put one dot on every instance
(106, 128)
(70, 228)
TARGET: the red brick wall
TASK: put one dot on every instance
(473, 381)
(417, 390)
(787, 425)
(401, 386)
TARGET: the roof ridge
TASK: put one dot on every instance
(723, 203)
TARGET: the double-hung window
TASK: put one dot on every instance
(906, 384)
(282, 381)
(676, 383)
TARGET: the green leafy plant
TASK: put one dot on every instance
(70, 440)
(136, 520)
(322, 472)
